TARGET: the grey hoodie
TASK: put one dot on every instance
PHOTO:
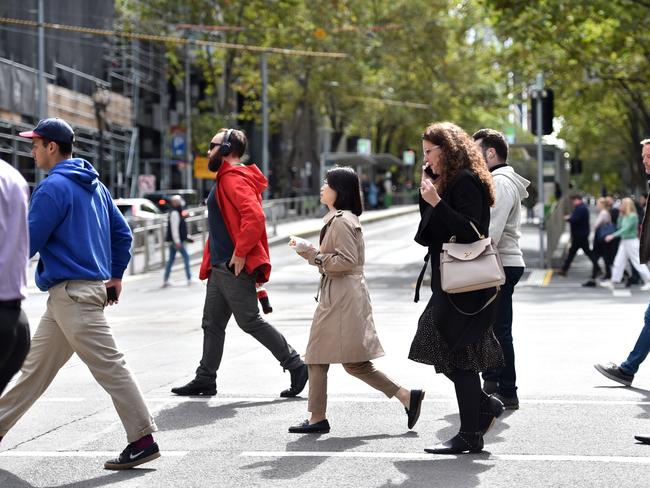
(505, 216)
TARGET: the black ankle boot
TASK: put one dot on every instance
(299, 377)
(462, 442)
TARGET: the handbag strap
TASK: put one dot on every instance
(416, 299)
(496, 293)
(480, 236)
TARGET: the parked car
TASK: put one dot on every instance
(161, 198)
(138, 210)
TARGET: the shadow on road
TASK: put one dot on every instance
(461, 471)
(9, 480)
(195, 414)
(294, 467)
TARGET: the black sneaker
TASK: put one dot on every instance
(509, 403)
(589, 284)
(299, 377)
(196, 388)
(131, 457)
(614, 373)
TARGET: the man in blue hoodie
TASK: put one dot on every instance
(84, 246)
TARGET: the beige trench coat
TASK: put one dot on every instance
(342, 330)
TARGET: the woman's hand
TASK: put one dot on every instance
(609, 238)
(429, 192)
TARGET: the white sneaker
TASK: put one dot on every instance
(646, 286)
(607, 284)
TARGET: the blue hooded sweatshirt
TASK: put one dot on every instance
(75, 226)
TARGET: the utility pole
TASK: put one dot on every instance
(188, 121)
(265, 121)
(42, 84)
(539, 92)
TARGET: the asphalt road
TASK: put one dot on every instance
(574, 428)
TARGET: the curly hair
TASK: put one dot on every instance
(458, 152)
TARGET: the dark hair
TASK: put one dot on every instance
(458, 152)
(495, 140)
(65, 148)
(576, 196)
(345, 182)
(237, 140)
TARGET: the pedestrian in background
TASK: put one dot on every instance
(505, 231)
(177, 237)
(628, 248)
(454, 332)
(343, 330)
(624, 374)
(579, 221)
(83, 240)
(14, 256)
(602, 248)
(236, 258)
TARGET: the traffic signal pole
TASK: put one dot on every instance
(539, 89)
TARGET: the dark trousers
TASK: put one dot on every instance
(506, 377)
(14, 342)
(229, 295)
(607, 251)
(470, 398)
(579, 243)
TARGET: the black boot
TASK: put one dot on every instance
(299, 377)
(462, 442)
(491, 409)
(195, 388)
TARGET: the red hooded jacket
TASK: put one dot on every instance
(239, 196)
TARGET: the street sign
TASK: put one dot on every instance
(201, 170)
(146, 184)
(178, 146)
(408, 157)
(364, 146)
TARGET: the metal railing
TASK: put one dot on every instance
(149, 247)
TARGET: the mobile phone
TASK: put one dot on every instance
(430, 173)
(111, 294)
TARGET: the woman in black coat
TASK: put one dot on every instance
(456, 189)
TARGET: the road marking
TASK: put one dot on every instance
(83, 454)
(432, 457)
(181, 399)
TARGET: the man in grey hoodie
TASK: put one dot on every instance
(505, 230)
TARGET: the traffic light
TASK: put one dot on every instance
(547, 113)
(576, 166)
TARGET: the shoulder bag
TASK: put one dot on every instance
(471, 267)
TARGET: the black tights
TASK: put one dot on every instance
(470, 396)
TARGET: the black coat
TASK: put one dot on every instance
(465, 199)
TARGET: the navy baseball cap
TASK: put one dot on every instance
(54, 129)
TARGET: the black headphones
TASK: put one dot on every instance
(226, 147)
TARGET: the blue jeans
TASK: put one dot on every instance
(641, 348)
(172, 256)
(505, 377)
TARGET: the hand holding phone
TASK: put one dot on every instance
(113, 291)
(111, 294)
(429, 172)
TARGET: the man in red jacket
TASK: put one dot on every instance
(236, 258)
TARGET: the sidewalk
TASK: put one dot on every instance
(300, 228)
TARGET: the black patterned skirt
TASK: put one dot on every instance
(429, 347)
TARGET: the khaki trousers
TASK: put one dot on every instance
(74, 322)
(365, 371)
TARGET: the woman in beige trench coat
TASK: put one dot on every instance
(343, 330)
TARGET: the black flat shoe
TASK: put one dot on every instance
(322, 427)
(642, 439)
(462, 442)
(491, 410)
(196, 388)
(299, 377)
(415, 405)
